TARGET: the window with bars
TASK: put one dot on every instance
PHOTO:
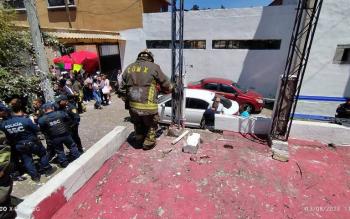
(166, 44)
(17, 4)
(194, 44)
(342, 54)
(109, 50)
(158, 44)
(60, 3)
(247, 44)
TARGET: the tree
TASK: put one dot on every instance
(195, 7)
(222, 7)
(15, 84)
(16, 57)
(15, 46)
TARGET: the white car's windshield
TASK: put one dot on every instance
(163, 98)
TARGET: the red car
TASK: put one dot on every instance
(231, 90)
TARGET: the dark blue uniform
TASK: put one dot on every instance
(22, 133)
(53, 124)
(73, 124)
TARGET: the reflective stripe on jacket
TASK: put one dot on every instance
(139, 83)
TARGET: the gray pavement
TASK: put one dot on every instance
(93, 126)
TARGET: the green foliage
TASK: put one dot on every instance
(16, 58)
(15, 46)
(51, 41)
(14, 84)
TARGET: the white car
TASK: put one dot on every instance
(197, 101)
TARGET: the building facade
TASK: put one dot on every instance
(327, 78)
(90, 24)
(250, 45)
(247, 45)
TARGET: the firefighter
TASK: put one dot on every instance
(139, 87)
(53, 124)
(73, 124)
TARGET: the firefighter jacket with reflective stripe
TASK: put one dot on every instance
(139, 84)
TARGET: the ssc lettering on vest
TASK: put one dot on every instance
(15, 128)
(13, 125)
(138, 69)
(53, 123)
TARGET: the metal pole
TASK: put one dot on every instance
(173, 59)
(301, 41)
(181, 100)
(38, 44)
(68, 13)
(177, 64)
(314, 16)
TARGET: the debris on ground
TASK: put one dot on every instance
(228, 146)
(180, 137)
(200, 159)
(192, 144)
(280, 150)
(243, 182)
(331, 145)
(174, 131)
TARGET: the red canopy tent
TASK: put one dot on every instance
(89, 60)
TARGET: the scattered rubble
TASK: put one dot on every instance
(280, 150)
(228, 146)
(160, 211)
(180, 137)
(192, 144)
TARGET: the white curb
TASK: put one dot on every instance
(49, 198)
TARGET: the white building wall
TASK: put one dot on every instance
(133, 42)
(324, 79)
(255, 69)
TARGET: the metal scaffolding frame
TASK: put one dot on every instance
(177, 76)
(307, 16)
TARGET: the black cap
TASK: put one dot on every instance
(3, 107)
(48, 105)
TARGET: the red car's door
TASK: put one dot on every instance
(229, 92)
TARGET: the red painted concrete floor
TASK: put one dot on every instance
(234, 178)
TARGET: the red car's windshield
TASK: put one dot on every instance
(239, 87)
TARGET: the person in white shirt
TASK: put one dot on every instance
(106, 90)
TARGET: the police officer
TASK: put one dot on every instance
(22, 133)
(53, 124)
(139, 85)
(6, 182)
(65, 106)
(5, 113)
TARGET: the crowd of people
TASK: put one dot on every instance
(83, 87)
(56, 122)
(22, 138)
(25, 130)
